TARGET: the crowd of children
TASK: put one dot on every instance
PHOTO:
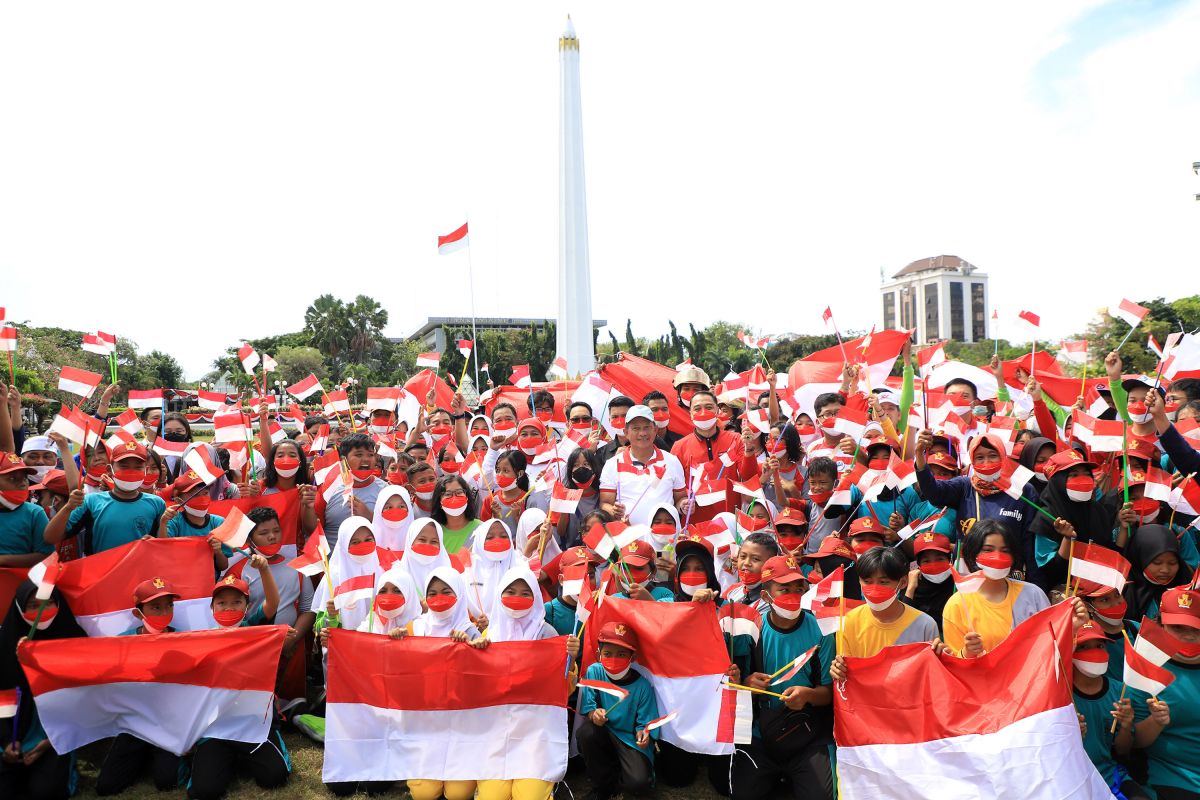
(446, 526)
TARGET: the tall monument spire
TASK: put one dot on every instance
(574, 274)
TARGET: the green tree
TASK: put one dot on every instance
(297, 363)
(328, 328)
(366, 321)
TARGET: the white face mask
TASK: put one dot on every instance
(286, 473)
(785, 612)
(454, 512)
(127, 486)
(516, 613)
(705, 424)
(994, 573)
(40, 473)
(941, 577)
(1093, 669)
(875, 606)
(381, 430)
(196, 513)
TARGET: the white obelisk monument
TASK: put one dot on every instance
(574, 275)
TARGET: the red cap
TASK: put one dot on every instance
(11, 462)
(931, 541)
(1089, 632)
(1140, 447)
(574, 556)
(943, 460)
(1180, 606)
(152, 589)
(187, 481)
(782, 569)
(694, 542)
(637, 554)
(1086, 588)
(618, 633)
(790, 516)
(1065, 460)
(54, 481)
(127, 450)
(833, 546)
(866, 525)
(230, 582)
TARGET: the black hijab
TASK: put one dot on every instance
(930, 597)
(12, 675)
(1029, 453)
(1148, 543)
(1092, 519)
(687, 548)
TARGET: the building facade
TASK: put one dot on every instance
(941, 297)
(432, 334)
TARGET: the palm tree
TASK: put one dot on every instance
(327, 326)
(365, 320)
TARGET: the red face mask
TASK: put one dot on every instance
(455, 503)
(1112, 613)
(157, 622)
(1082, 483)
(994, 560)
(828, 423)
(441, 602)
(150, 481)
(791, 543)
(504, 429)
(451, 467)
(748, 578)
(703, 415)
(505, 481)
(498, 545)
(1171, 407)
(397, 478)
(617, 423)
(440, 430)
(581, 426)
(860, 546)
(663, 529)
(544, 415)
(130, 475)
(989, 469)
(15, 497)
(820, 498)
(662, 416)
(517, 603)
(425, 549)
(877, 594)
(228, 619)
(424, 488)
(395, 514)
(283, 463)
(389, 602)
(687, 394)
(749, 523)
(935, 568)
(615, 666)
(806, 430)
(362, 548)
(362, 475)
(788, 602)
(1187, 650)
(48, 615)
(878, 463)
(724, 417)
(529, 441)
(695, 580)
(269, 550)
(200, 503)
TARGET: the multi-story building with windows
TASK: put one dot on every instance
(941, 297)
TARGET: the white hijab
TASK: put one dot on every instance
(503, 626)
(408, 612)
(456, 619)
(412, 564)
(389, 536)
(527, 525)
(487, 568)
(659, 542)
(344, 567)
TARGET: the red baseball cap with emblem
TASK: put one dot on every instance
(126, 451)
(791, 516)
(1089, 632)
(230, 582)
(11, 462)
(152, 589)
(943, 460)
(1180, 606)
(782, 569)
(54, 481)
(931, 541)
(187, 481)
(1065, 460)
(692, 544)
(637, 554)
(866, 525)
(618, 633)
(833, 546)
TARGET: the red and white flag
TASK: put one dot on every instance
(102, 344)
(1158, 485)
(211, 401)
(1031, 319)
(683, 656)
(217, 684)
(1014, 479)
(337, 402)
(78, 381)
(655, 724)
(429, 360)
(45, 574)
(1097, 564)
(564, 500)
(456, 240)
(8, 339)
(1101, 435)
(119, 438)
(710, 492)
(797, 664)
(375, 733)
(271, 401)
(199, 462)
(829, 587)
(1185, 498)
(716, 531)
(1154, 643)
(1131, 312)
(920, 526)
(99, 588)
(172, 449)
(1143, 674)
(314, 557)
(827, 317)
(9, 700)
(230, 426)
(931, 357)
(249, 358)
(1004, 728)
(520, 376)
(234, 530)
(1074, 352)
(320, 442)
(558, 369)
(593, 390)
(382, 398)
(850, 421)
(302, 389)
(752, 488)
(831, 615)
(971, 582)
(603, 539)
(739, 619)
(145, 398)
(465, 347)
(77, 427)
(269, 364)
(610, 689)
(130, 423)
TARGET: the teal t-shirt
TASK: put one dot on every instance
(21, 531)
(182, 525)
(1175, 754)
(107, 522)
(1097, 713)
(561, 617)
(627, 717)
(661, 594)
(1116, 652)
(777, 648)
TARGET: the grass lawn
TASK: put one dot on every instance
(305, 782)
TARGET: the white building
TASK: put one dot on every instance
(942, 297)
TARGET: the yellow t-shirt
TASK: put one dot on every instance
(992, 621)
(864, 635)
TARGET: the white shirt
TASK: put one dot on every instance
(643, 487)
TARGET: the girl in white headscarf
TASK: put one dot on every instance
(492, 554)
(423, 551)
(396, 604)
(531, 525)
(664, 530)
(446, 613)
(354, 556)
(393, 516)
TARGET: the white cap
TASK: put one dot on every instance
(638, 412)
(888, 396)
(35, 444)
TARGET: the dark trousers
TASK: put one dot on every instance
(1176, 793)
(611, 765)
(128, 759)
(810, 772)
(676, 767)
(48, 778)
(216, 760)
(347, 788)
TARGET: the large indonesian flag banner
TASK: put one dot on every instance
(1002, 725)
(170, 688)
(286, 505)
(99, 588)
(682, 653)
(436, 708)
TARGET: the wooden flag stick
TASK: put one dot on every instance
(752, 689)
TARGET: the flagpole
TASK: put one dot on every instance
(471, 285)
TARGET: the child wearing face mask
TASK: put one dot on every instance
(454, 509)
(882, 621)
(22, 523)
(154, 605)
(931, 584)
(116, 517)
(1070, 496)
(194, 519)
(354, 572)
(822, 520)
(635, 571)
(422, 481)
(506, 497)
(617, 751)
(793, 735)
(582, 473)
(392, 519)
(357, 452)
(1156, 564)
(1169, 733)
(664, 530)
(1099, 702)
(752, 555)
(492, 555)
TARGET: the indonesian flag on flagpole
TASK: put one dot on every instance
(1183, 358)
(199, 462)
(249, 358)
(271, 400)
(1185, 498)
(465, 347)
(520, 376)
(444, 724)
(1101, 435)
(1014, 479)
(1032, 320)
(429, 360)
(8, 339)
(302, 389)
(604, 538)
(564, 500)
(710, 492)
(1074, 352)
(1154, 643)
(1097, 564)
(574, 576)
(1143, 674)
(716, 531)
(120, 437)
(610, 689)
(797, 664)
(558, 369)
(269, 364)
(918, 526)
(147, 398)
(931, 357)
(382, 398)
(827, 316)
(337, 402)
(76, 426)
(99, 588)
(1006, 728)
(831, 615)
(1158, 485)
(453, 241)
(93, 343)
(1131, 312)
(683, 656)
(971, 582)
(78, 381)
(752, 488)
(176, 449)
(851, 421)
(210, 401)
(129, 422)
(45, 574)
(234, 530)
(830, 587)
(217, 684)
(230, 426)
(315, 555)
(739, 619)
(9, 699)
(593, 390)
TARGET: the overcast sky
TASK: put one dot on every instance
(189, 174)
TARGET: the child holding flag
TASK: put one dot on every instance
(930, 585)
(195, 519)
(22, 523)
